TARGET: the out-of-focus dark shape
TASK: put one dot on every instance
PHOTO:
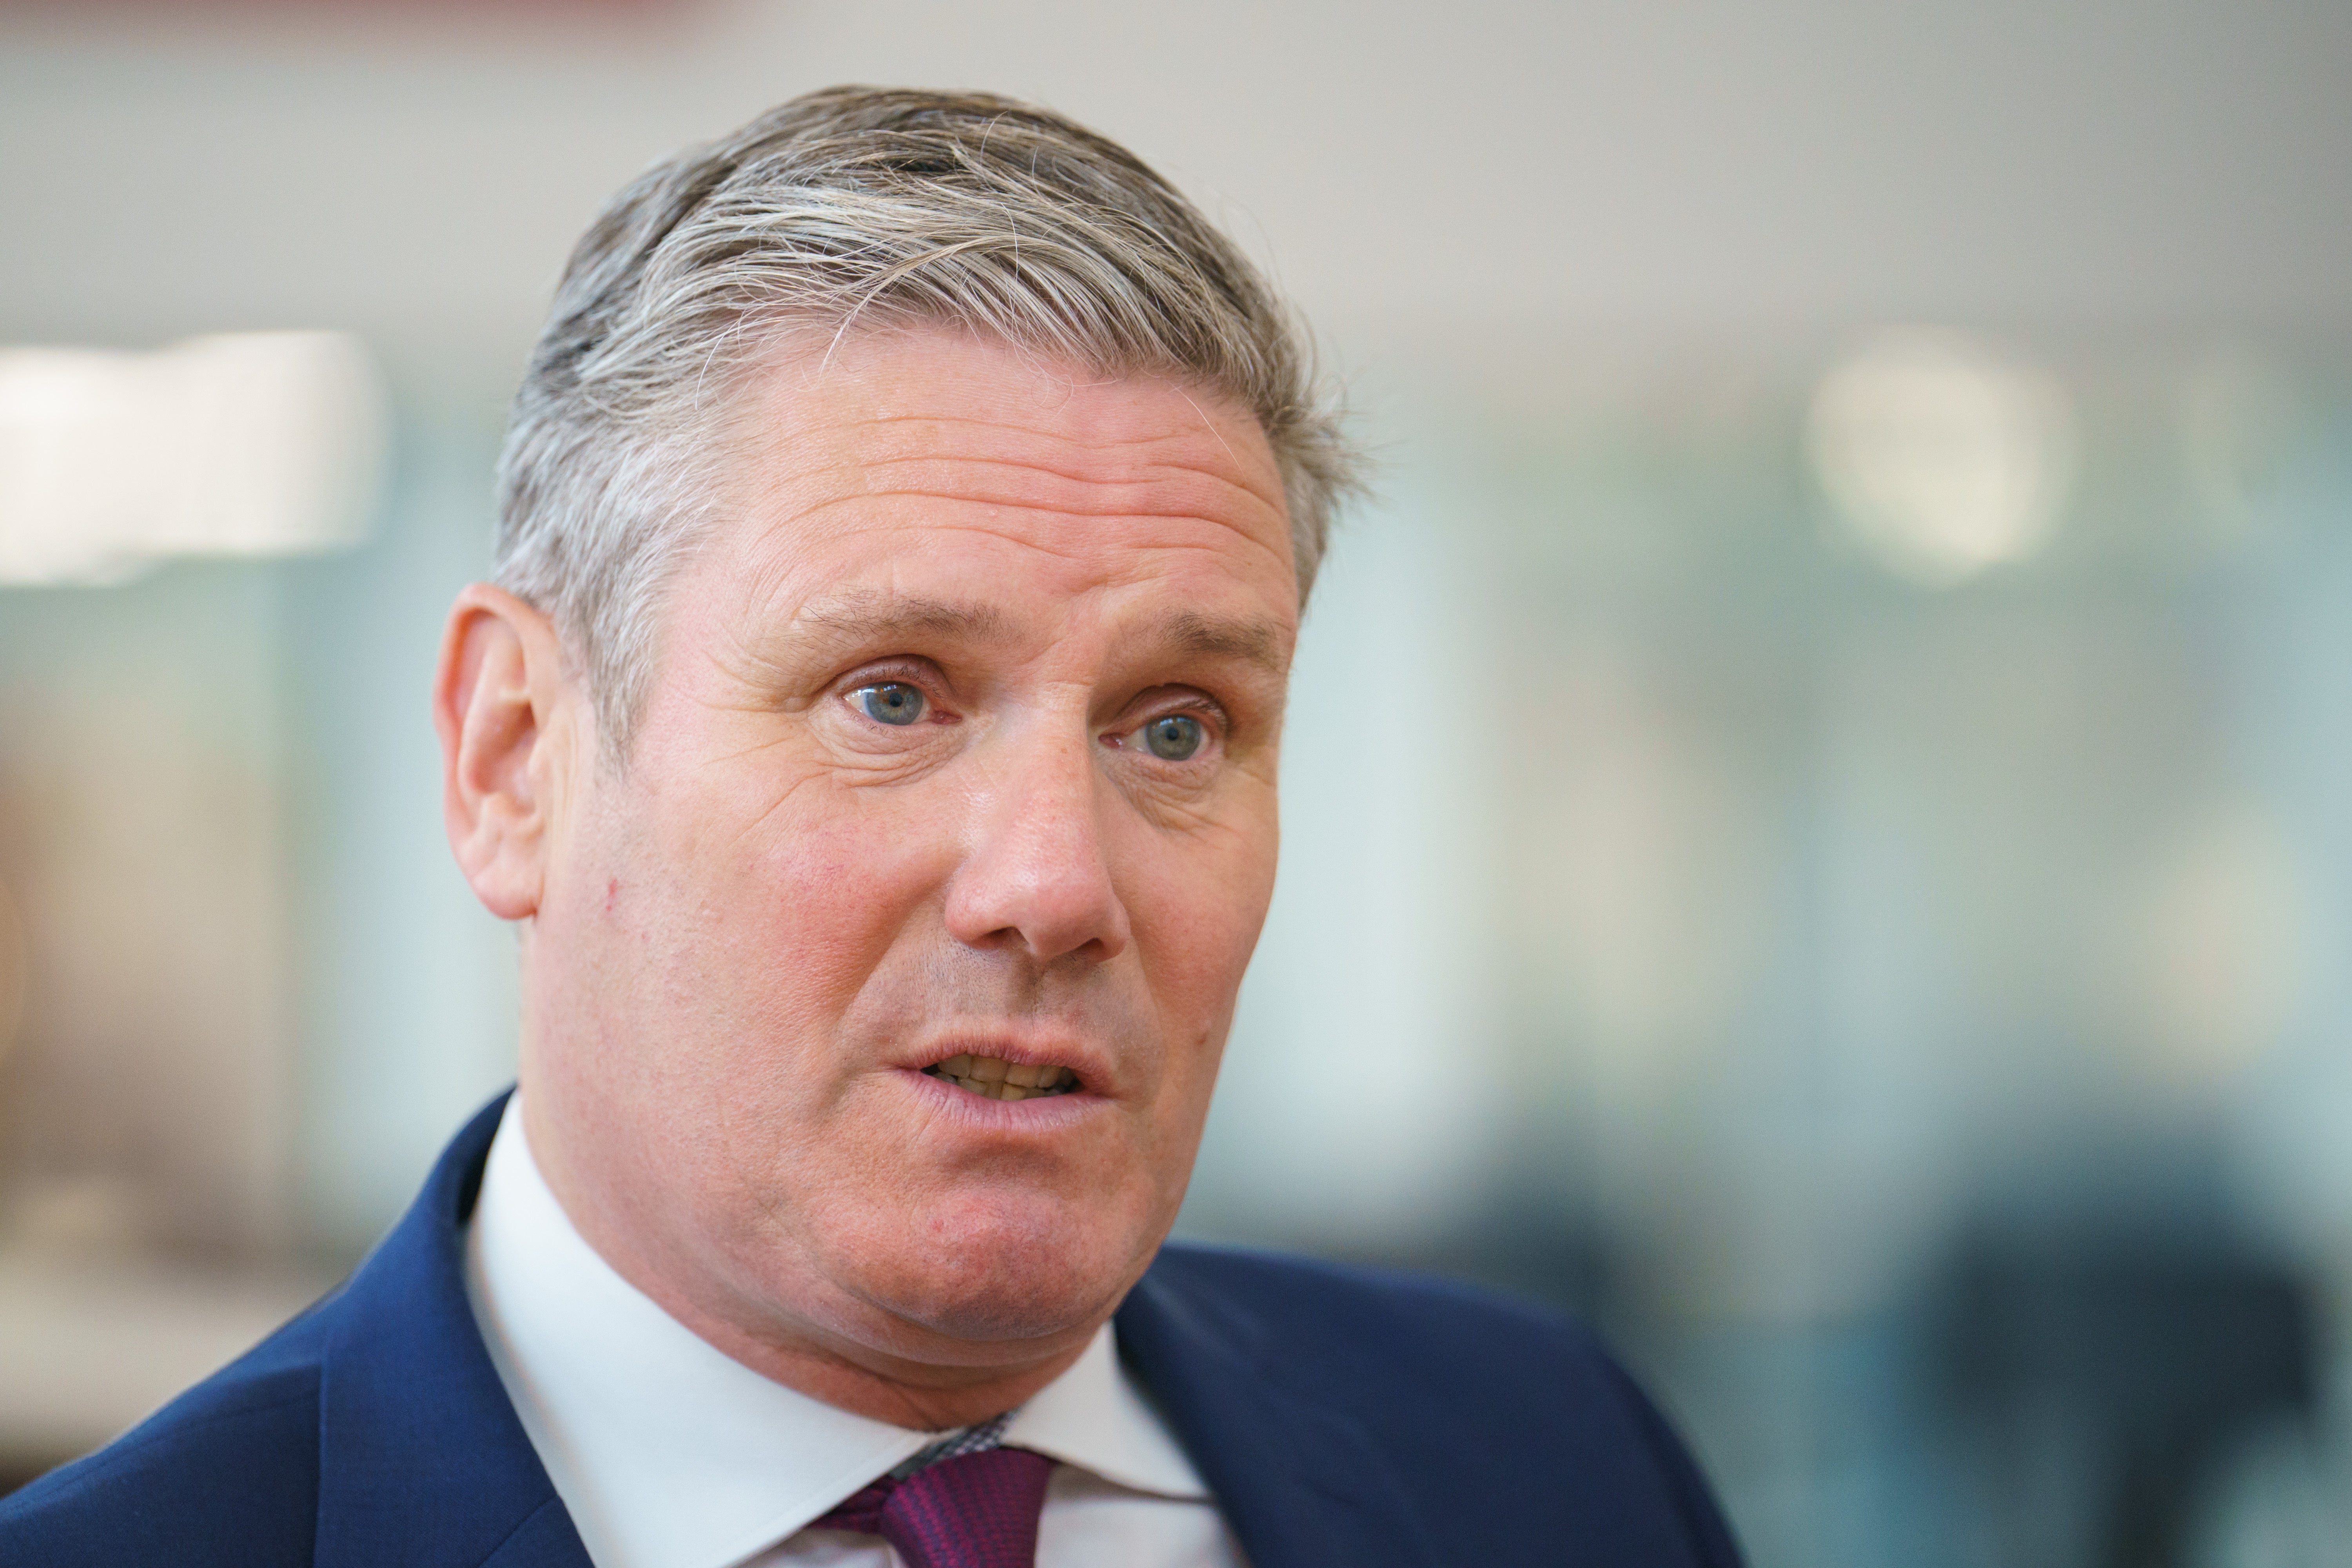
(2105, 1373)
(1519, 1242)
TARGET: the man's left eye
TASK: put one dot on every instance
(891, 703)
(1174, 737)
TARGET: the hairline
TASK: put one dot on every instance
(853, 211)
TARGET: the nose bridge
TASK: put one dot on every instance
(1045, 812)
(1035, 873)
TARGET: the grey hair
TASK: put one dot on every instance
(848, 209)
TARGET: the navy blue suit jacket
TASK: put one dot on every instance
(1339, 1416)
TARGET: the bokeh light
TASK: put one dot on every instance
(237, 445)
(1943, 458)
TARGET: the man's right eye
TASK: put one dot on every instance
(891, 703)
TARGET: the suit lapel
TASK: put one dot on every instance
(1300, 1486)
(423, 1463)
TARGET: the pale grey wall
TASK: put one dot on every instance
(1663, 167)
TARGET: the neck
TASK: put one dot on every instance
(927, 1396)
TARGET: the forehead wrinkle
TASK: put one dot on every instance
(1064, 552)
(1158, 430)
(913, 472)
(1193, 492)
(1171, 513)
(1142, 475)
(1158, 435)
(1070, 438)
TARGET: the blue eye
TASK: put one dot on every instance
(1175, 737)
(892, 703)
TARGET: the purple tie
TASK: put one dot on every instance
(979, 1510)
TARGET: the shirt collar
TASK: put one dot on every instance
(670, 1454)
(1096, 1416)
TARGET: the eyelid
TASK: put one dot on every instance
(939, 704)
(1180, 700)
(917, 672)
(1200, 706)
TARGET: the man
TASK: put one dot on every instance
(873, 734)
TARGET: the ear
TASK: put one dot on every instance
(507, 712)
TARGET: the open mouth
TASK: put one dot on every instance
(993, 1078)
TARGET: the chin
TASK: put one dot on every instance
(1001, 1271)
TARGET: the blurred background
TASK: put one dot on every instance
(1819, 809)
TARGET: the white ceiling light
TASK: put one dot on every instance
(1943, 458)
(242, 444)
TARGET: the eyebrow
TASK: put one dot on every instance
(867, 620)
(1252, 642)
(883, 618)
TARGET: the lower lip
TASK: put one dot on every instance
(1041, 1113)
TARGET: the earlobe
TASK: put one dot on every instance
(495, 700)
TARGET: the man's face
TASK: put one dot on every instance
(961, 749)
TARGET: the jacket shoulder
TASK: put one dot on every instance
(1469, 1393)
(227, 1473)
(1324, 1323)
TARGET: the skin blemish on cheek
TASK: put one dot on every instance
(612, 891)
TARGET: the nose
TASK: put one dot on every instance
(1034, 878)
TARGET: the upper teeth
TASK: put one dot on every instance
(993, 1078)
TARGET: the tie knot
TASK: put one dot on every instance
(975, 1510)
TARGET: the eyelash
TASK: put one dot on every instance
(924, 681)
(1206, 709)
(1201, 706)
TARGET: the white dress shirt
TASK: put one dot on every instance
(670, 1453)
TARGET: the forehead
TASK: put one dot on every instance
(920, 461)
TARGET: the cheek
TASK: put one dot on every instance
(733, 920)
(1197, 902)
(806, 903)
